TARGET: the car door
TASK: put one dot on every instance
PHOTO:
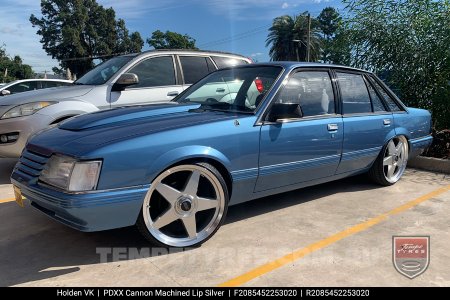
(307, 148)
(367, 123)
(157, 83)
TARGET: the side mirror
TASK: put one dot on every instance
(125, 80)
(283, 111)
(5, 93)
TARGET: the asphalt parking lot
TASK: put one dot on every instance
(335, 234)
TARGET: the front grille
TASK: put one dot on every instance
(31, 163)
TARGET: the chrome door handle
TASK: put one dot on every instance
(172, 94)
(220, 90)
(387, 122)
(333, 127)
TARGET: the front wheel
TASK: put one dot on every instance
(390, 165)
(184, 206)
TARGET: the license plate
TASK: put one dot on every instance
(18, 195)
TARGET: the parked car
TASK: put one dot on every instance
(173, 169)
(26, 85)
(152, 76)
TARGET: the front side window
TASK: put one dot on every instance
(104, 71)
(354, 94)
(23, 87)
(194, 68)
(240, 89)
(312, 90)
(157, 71)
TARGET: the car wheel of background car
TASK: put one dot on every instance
(391, 163)
(184, 206)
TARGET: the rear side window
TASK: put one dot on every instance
(50, 84)
(157, 71)
(390, 102)
(194, 68)
(355, 96)
(377, 103)
(225, 62)
(312, 90)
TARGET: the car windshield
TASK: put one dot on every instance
(237, 89)
(104, 71)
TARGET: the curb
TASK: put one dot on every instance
(430, 164)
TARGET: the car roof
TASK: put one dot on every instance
(188, 51)
(289, 65)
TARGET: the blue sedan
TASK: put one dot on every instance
(238, 134)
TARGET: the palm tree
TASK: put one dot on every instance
(288, 38)
(280, 37)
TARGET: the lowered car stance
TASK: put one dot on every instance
(236, 135)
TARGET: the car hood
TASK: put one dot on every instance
(58, 93)
(124, 116)
(88, 132)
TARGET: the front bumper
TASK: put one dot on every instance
(93, 211)
(25, 126)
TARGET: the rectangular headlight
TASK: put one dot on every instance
(68, 174)
(84, 176)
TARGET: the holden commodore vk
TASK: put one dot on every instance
(236, 135)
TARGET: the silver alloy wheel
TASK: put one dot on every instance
(184, 201)
(395, 159)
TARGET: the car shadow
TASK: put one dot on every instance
(280, 201)
(50, 249)
(6, 168)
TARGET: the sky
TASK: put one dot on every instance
(239, 26)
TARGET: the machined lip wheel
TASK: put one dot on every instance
(395, 159)
(184, 206)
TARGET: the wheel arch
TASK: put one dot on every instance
(66, 109)
(400, 131)
(193, 154)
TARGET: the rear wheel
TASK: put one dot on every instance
(391, 163)
(185, 206)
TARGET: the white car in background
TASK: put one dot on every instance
(133, 79)
(26, 85)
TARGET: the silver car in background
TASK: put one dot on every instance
(26, 85)
(134, 79)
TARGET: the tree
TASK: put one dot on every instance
(333, 43)
(13, 68)
(136, 42)
(407, 41)
(329, 21)
(77, 31)
(127, 43)
(171, 40)
(288, 38)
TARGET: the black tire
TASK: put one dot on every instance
(144, 230)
